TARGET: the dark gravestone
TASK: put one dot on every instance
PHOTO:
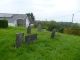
(53, 33)
(30, 38)
(19, 39)
(29, 29)
(22, 37)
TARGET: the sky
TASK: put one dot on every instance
(58, 10)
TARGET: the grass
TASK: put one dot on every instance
(62, 47)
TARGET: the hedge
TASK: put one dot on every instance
(74, 31)
(3, 23)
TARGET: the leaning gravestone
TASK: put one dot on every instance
(53, 33)
(30, 38)
(19, 39)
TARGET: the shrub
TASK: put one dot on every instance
(61, 30)
(3, 23)
(52, 25)
(74, 31)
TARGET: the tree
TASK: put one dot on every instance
(32, 16)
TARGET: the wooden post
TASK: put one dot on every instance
(72, 18)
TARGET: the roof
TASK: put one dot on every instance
(10, 15)
(23, 16)
(5, 15)
(20, 15)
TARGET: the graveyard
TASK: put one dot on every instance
(61, 47)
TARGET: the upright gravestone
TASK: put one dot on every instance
(22, 37)
(29, 29)
(30, 38)
(39, 27)
(19, 39)
(53, 33)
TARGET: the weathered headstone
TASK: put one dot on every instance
(30, 38)
(22, 37)
(39, 27)
(19, 39)
(53, 33)
(29, 29)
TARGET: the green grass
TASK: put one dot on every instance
(62, 47)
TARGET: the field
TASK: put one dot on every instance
(62, 47)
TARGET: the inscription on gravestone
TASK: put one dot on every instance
(30, 38)
(19, 39)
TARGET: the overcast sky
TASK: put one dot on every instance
(59, 10)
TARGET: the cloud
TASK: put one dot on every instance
(15, 6)
(42, 9)
(50, 8)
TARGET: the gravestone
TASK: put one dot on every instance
(19, 39)
(39, 27)
(30, 38)
(22, 37)
(53, 33)
(29, 29)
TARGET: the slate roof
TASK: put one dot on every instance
(10, 15)
(22, 16)
(5, 15)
